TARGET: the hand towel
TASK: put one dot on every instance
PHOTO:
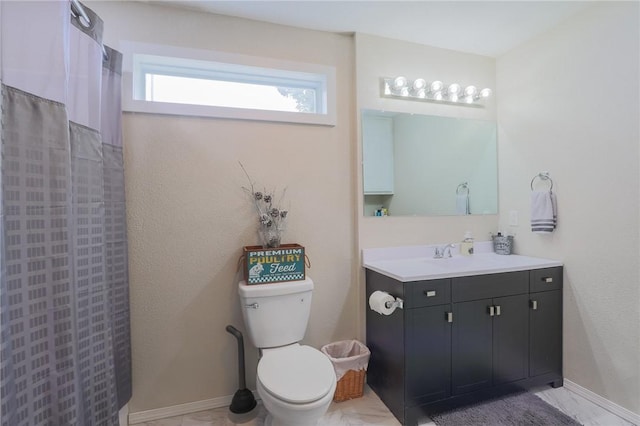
(543, 211)
(462, 204)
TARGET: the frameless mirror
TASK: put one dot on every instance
(421, 165)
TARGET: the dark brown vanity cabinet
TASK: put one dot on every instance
(490, 344)
(545, 323)
(428, 353)
(463, 338)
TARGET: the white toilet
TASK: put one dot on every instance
(295, 382)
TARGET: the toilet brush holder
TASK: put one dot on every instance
(243, 402)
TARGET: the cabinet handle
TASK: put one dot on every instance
(547, 279)
(449, 316)
(430, 293)
(534, 305)
(491, 311)
(498, 310)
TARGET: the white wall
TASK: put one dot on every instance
(378, 57)
(568, 104)
(188, 217)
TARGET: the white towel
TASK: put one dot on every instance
(543, 211)
(462, 204)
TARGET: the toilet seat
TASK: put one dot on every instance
(296, 374)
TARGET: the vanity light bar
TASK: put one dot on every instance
(436, 91)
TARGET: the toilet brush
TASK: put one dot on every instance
(243, 404)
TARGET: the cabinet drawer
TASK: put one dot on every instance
(488, 286)
(427, 293)
(545, 279)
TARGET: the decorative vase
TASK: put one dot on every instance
(270, 237)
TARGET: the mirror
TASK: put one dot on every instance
(422, 165)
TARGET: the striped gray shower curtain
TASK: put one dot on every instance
(64, 300)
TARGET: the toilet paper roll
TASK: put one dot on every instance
(382, 303)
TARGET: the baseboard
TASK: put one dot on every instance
(179, 410)
(619, 411)
(123, 415)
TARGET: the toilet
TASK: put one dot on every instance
(295, 382)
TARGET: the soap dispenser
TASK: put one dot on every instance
(466, 246)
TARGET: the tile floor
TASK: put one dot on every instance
(369, 410)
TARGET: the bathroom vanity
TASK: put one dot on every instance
(470, 327)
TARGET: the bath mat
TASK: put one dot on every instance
(521, 409)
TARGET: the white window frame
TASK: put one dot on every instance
(140, 57)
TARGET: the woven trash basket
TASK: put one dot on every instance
(350, 359)
(350, 386)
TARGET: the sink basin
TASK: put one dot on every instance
(417, 265)
(460, 261)
(429, 265)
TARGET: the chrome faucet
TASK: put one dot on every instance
(441, 251)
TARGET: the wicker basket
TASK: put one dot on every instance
(350, 386)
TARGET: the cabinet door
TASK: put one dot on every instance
(428, 354)
(377, 154)
(545, 333)
(510, 338)
(471, 346)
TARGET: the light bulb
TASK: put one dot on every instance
(437, 96)
(419, 84)
(468, 99)
(453, 98)
(399, 82)
(485, 93)
(470, 91)
(454, 89)
(436, 86)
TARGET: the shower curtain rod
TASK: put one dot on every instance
(78, 10)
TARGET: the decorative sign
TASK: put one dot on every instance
(273, 265)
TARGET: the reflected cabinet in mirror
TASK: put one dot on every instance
(421, 165)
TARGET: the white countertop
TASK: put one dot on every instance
(416, 263)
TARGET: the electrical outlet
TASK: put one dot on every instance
(513, 218)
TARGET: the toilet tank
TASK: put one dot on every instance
(276, 314)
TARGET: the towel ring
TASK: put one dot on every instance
(463, 186)
(542, 176)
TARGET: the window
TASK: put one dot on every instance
(213, 84)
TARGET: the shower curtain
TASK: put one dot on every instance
(64, 302)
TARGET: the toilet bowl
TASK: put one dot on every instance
(296, 384)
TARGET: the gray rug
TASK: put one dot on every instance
(522, 409)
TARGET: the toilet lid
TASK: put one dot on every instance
(296, 374)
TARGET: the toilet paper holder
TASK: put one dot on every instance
(397, 303)
(384, 303)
